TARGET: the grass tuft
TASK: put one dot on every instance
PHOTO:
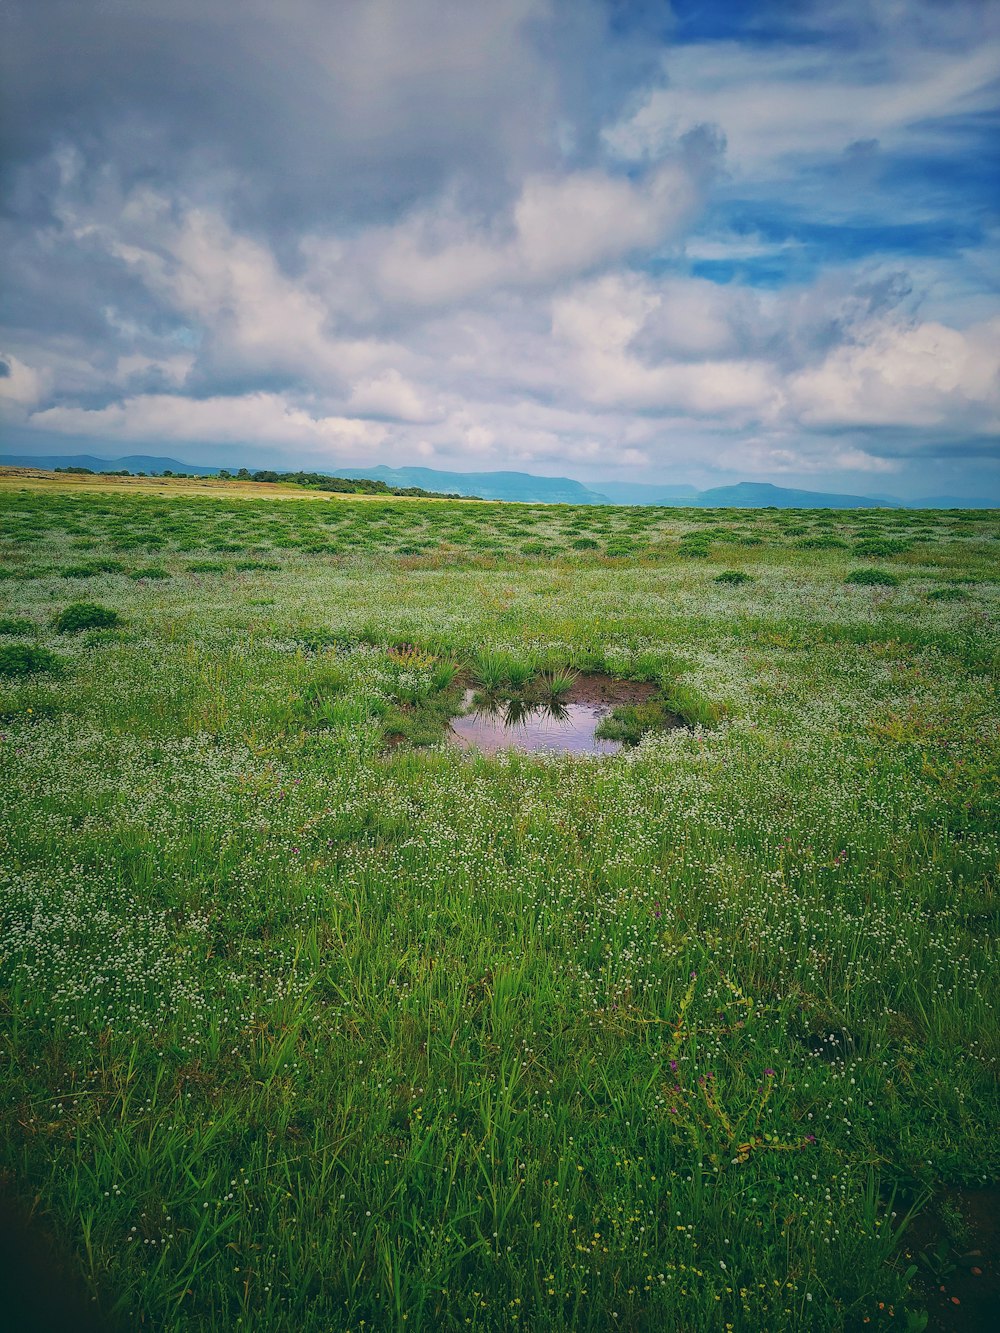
(22, 659)
(79, 616)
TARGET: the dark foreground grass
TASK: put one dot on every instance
(304, 1030)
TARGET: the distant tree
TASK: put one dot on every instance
(225, 474)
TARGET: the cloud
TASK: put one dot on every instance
(921, 375)
(391, 396)
(786, 457)
(558, 226)
(171, 370)
(554, 233)
(252, 419)
(254, 316)
(20, 385)
(792, 101)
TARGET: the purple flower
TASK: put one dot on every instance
(673, 1064)
(769, 1073)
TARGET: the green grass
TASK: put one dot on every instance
(873, 578)
(25, 659)
(310, 1022)
(79, 616)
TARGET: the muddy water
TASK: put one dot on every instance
(547, 728)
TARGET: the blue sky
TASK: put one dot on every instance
(697, 242)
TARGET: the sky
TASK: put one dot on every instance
(696, 242)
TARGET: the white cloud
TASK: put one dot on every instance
(560, 226)
(785, 454)
(602, 321)
(389, 395)
(254, 418)
(781, 102)
(173, 369)
(21, 386)
(921, 375)
(256, 317)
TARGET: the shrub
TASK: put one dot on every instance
(9, 626)
(91, 569)
(873, 577)
(584, 544)
(152, 573)
(693, 707)
(443, 675)
(879, 547)
(822, 543)
(628, 723)
(24, 659)
(557, 684)
(696, 547)
(734, 576)
(948, 594)
(495, 669)
(85, 615)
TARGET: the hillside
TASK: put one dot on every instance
(761, 494)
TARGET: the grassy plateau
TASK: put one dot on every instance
(311, 1021)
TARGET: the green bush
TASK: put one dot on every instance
(24, 659)
(734, 576)
(822, 543)
(628, 723)
(948, 594)
(152, 573)
(873, 577)
(85, 615)
(693, 707)
(495, 669)
(694, 548)
(10, 626)
(91, 569)
(877, 548)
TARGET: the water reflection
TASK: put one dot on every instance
(551, 727)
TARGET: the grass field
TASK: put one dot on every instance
(311, 1022)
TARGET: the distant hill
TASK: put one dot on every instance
(487, 485)
(637, 493)
(761, 494)
(526, 487)
(132, 463)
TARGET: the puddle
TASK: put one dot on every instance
(547, 728)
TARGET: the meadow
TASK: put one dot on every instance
(313, 1021)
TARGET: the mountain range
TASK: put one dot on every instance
(526, 487)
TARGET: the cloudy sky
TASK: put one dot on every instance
(611, 239)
